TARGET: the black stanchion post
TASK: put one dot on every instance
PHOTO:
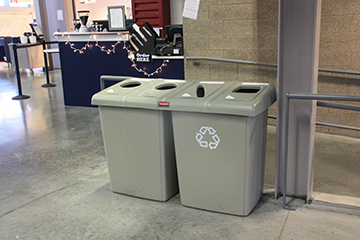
(47, 84)
(17, 73)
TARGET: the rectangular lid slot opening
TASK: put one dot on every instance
(246, 90)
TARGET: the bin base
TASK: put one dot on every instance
(168, 197)
(220, 212)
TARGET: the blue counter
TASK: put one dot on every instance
(81, 71)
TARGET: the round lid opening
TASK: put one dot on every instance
(130, 84)
(166, 86)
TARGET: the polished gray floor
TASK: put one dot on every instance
(54, 182)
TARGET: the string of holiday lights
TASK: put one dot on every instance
(159, 69)
(88, 45)
(132, 59)
(112, 50)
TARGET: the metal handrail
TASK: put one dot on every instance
(104, 78)
(263, 64)
(275, 65)
(230, 60)
(311, 96)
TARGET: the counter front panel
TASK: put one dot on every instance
(81, 71)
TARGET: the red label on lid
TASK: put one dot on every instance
(164, 104)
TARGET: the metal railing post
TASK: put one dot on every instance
(46, 69)
(20, 96)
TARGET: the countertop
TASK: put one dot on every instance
(91, 36)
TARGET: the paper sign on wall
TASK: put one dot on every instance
(60, 15)
(191, 9)
(18, 3)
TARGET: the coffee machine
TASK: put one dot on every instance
(84, 16)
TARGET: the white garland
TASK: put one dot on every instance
(88, 45)
(112, 50)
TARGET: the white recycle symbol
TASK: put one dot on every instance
(211, 131)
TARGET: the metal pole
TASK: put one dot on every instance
(285, 205)
(47, 84)
(339, 106)
(299, 38)
(331, 97)
(337, 126)
(338, 71)
(73, 9)
(20, 96)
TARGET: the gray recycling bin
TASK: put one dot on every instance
(138, 138)
(220, 133)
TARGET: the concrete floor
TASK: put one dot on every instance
(55, 185)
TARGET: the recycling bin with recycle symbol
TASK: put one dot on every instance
(220, 133)
(138, 138)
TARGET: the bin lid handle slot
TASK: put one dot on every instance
(200, 91)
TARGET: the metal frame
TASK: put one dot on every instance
(320, 104)
(119, 10)
(104, 78)
(309, 96)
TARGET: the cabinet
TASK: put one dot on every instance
(155, 12)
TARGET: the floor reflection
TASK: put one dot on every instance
(19, 118)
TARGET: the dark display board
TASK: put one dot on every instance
(81, 72)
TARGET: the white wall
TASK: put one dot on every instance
(15, 21)
(98, 10)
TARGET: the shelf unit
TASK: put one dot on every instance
(155, 12)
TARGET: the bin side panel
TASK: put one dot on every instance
(167, 152)
(131, 138)
(211, 179)
(255, 163)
